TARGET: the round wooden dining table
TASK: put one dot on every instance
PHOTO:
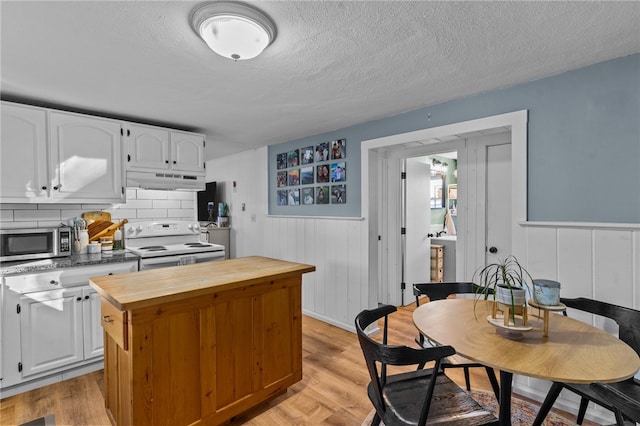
(573, 351)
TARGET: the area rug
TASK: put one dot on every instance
(42, 421)
(522, 412)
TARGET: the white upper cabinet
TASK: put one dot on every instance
(57, 157)
(187, 151)
(147, 147)
(157, 148)
(85, 158)
(23, 153)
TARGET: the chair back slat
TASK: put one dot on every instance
(440, 291)
(628, 406)
(628, 319)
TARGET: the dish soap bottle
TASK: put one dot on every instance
(118, 242)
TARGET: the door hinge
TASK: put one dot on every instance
(19, 367)
(403, 231)
(403, 286)
(18, 308)
(403, 175)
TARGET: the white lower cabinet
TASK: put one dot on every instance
(51, 330)
(50, 325)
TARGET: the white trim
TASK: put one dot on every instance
(407, 142)
(586, 225)
(279, 216)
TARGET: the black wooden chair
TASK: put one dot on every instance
(628, 321)
(628, 407)
(440, 291)
(413, 397)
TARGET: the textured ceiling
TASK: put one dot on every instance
(332, 65)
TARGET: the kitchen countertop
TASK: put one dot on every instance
(155, 286)
(21, 267)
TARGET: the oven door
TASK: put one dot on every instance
(177, 260)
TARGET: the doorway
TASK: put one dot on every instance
(380, 201)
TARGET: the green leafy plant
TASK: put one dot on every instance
(508, 273)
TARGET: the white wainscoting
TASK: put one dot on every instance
(597, 261)
(336, 292)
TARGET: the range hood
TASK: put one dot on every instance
(166, 180)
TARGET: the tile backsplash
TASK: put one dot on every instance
(142, 204)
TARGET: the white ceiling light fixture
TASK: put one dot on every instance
(234, 30)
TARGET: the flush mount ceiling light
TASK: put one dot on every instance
(233, 30)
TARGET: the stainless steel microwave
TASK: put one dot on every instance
(34, 243)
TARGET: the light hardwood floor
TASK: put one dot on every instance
(332, 391)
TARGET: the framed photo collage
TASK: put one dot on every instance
(312, 175)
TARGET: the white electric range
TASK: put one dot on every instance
(169, 243)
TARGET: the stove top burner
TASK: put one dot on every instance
(153, 248)
(196, 245)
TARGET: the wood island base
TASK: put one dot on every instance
(200, 344)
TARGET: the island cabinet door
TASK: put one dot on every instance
(209, 358)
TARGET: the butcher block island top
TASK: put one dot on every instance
(148, 288)
(199, 344)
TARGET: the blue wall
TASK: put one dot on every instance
(583, 152)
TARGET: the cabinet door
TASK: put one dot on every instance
(147, 148)
(51, 330)
(187, 152)
(23, 154)
(85, 158)
(93, 333)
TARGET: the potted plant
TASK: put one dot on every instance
(506, 281)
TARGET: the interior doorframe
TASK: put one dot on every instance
(379, 153)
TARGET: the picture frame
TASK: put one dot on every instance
(322, 195)
(307, 155)
(293, 198)
(321, 152)
(338, 194)
(308, 196)
(281, 179)
(293, 158)
(338, 149)
(294, 177)
(306, 175)
(322, 173)
(338, 172)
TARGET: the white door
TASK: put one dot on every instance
(147, 148)
(85, 158)
(498, 208)
(91, 320)
(51, 330)
(417, 265)
(23, 153)
(187, 151)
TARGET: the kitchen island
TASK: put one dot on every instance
(202, 343)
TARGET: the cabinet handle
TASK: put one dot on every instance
(167, 161)
(86, 297)
(174, 161)
(54, 282)
(107, 319)
(44, 188)
(128, 132)
(57, 187)
(79, 299)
